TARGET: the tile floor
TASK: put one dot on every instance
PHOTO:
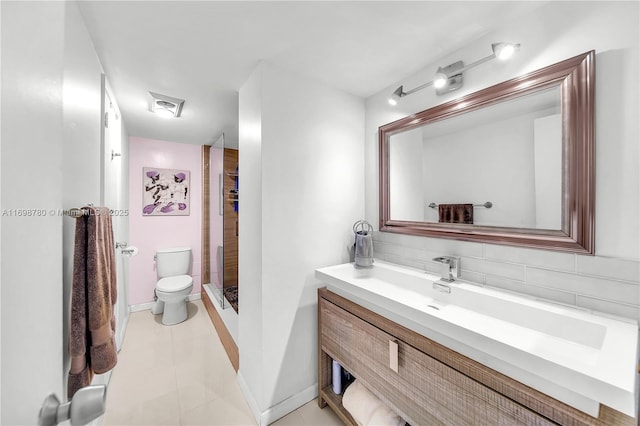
(180, 375)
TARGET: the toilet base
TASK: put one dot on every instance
(173, 307)
(174, 313)
(157, 308)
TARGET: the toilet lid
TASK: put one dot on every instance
(177, 283)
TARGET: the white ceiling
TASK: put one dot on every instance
(203, 51)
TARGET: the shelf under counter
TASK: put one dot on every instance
(334, 401)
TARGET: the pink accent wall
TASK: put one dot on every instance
(150, 233)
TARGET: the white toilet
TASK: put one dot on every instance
(174, 285)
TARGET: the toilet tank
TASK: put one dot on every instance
(173, 261)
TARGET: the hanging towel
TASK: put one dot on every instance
(455, 213)
(364, 249)
(92, 344)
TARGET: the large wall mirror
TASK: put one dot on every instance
(511, 164)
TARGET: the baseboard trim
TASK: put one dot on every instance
(248, 396)
(294, 402)
(141, 307)
(281, 409)
(149, 305)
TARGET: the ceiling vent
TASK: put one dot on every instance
(165, 106)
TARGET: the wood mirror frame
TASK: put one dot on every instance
(576, 79)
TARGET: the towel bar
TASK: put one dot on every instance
(487, 205)
(79, 212)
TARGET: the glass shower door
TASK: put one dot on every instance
(216, 222)
(223, 223)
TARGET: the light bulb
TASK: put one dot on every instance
(396, 95)
(440, 79)
(504, 51)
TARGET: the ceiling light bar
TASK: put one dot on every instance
(165, 106)
(450, 77)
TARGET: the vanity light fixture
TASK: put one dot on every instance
(449, 78)
(440, 78)
(165, 106)
(397, 94)
(504, 51)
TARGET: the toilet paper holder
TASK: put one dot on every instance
(129, 251)
(126, 249)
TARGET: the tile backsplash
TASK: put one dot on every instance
(607, 285)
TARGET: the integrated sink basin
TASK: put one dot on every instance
(579, 357)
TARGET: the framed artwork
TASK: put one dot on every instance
(165, 192)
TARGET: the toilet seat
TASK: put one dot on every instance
(173, 284)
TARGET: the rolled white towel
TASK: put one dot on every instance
(366, 409)
(359, 402)
(384, 416)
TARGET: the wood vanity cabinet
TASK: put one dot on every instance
(433, 385)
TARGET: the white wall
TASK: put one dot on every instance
(606, 282)
(51, 161)
(32, 145)
(301, 188)
(81, 150)
(406, 168)
(250, 289)
(548, 171)
(488, 162)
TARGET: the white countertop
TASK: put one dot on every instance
(576, 356)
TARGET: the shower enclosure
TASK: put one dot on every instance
(220, 205)
(223, 223)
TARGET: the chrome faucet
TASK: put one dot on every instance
(450, 268)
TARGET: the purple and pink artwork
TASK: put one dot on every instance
(165, 192)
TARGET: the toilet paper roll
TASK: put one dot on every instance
(130, 251)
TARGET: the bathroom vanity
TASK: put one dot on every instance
(431, 370)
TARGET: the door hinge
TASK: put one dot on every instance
(106, 119)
